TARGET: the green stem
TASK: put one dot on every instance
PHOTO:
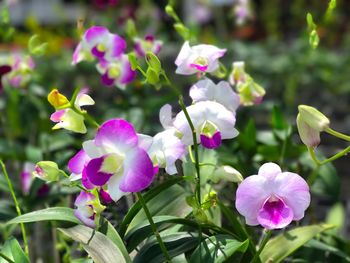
(154, 227)
(334, 157)
(337, 134)
(266, 237)
(19, 213)
(73, 184)
(195, 147)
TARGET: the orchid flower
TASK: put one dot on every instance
(21, 70)
(98, 42)
(115, 159)
(148, 44)
(87, 208)
(272, 198)
(212, 121)
(116, 72)
(200, 58)
(67, 118)
(222, 93)
(164, 149)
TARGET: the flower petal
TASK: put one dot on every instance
(77, 162)
(165, 116)
(294, 191)
(138, 171)
(250, 197)
(94, 173)
(211, 142)
(275, 215)
(269, 170)
(117, 134)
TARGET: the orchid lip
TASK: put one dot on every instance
(211, 142)
(199, 67)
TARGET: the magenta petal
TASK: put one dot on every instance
(275, 214)
(97, 53)
(211, 142)
(85, 180)
(118, 45)
(77, 162)
(117, 134)
(94, 174)
(139, 50)
(128, 74)
(95, 32)
(86, 220)
(107, 81)
(57, 115)
(138, 171)
(105, 197)
(199, 67)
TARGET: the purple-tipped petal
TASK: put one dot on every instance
(77, 163)
(250, 197)
(294, 191)
(85, 180)
(94, 33)
(117, 134)
(118, 45)
(26, 181)
(94, 173)
(76, 58)
(57, 115)
(138, 171)
(83, 198)
(87, 220)
(275, 214)
(128, 75)
(211, 142)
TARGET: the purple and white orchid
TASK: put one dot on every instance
(222, 93)
(272, 198)
(200, 58)
(98, 42)
(148, 44)
(116, 72)
(212, 121)
(87, 208)
(115, 159)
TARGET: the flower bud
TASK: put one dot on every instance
(313, 117)
(228, 173)
(238, 74)
(309, 136)
(47, 171)
(56, 99)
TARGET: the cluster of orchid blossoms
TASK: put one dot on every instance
(16, 69)
(109, 50)
(119, 161)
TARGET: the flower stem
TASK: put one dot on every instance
(337, 134)
(154, 228)
(266, 237)
(195, 148)
(334, 157)
(19, 213)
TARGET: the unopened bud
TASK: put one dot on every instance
(227, 173)
(56, 99)
(47, 171)
(313, 117)
(309, 136)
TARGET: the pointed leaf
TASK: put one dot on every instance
(291, 240)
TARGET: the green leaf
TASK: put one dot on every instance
(133, 61)
(13, 251)
(148, 196)
(169, 202)
(314, 39)
(153, 62)
(176, 244)
(36, 47)
(52, 213)
(336, 216)
(218, 249)
(315, 244)
(152, 77)
(98, 246)
(293, 239)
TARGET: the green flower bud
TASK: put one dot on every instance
(47, 171)
(309, 136)
(313, 117)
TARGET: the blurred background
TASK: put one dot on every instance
(270, 36)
